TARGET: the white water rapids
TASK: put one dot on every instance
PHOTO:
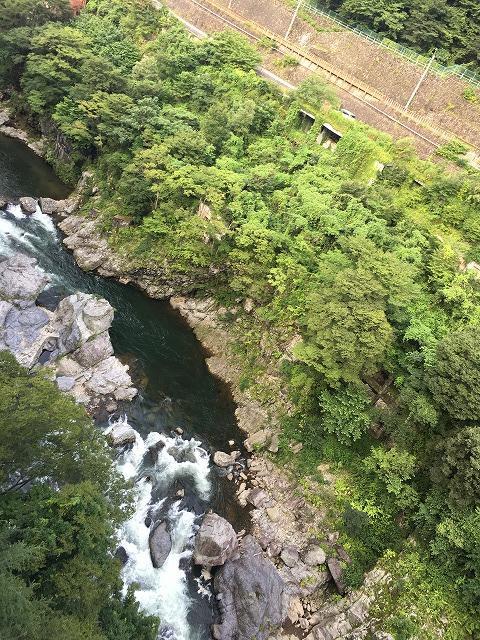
(14, 237)
(162, 592)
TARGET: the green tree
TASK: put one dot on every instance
(453, 378)
(347, 331)
(31, 13)
(20, 20)
(58, 439)
(58, 577)
(229, 48)
(345, 412)
(394, 468)
(53, 66)
(459, 467)
(313, 91)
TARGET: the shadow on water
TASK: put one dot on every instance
(22, 173)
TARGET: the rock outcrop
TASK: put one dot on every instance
(349, 619)
(335, 568)
(20, 279)
(50, 207)
(93, 253)
(120, 435)
(222, 459)
(252, 597)
(8, 128)
(29, 205)
(215, 543)
(73, 339)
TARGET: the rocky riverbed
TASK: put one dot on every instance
(290, 573)
(72, 339)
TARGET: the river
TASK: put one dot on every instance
(176, 391)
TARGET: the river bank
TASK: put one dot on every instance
(11, 129)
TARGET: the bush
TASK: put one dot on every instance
(345, 412)
(470, 95)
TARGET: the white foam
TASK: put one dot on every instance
(15, 236)
(162, 592)
(11, 234)
(194, 463)
(16, 211)
(203, 588)
(45, 220)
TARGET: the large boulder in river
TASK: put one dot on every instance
(49, 206)
(25, 333)
(80, 317)
(216, 541)
(160, 544)
(21, 279)
(120, 435)
(94, 351)
(222, 459)
(253, 598)
(110, 377)
(29, 205)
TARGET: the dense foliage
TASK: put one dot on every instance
(450, 26)
(355, 275)
(59, 505)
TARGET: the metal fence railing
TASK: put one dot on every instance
(455, 70)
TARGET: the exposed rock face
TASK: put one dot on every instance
(110, 377)
(49, 206)
(81, 317)
(335, 569)
(253, 597)
(314, 556)
(93, 253)
(349, 618)
(29, 205)
(290, 556)
(73, 339)
(215, 543)
(19, 278)
(94, 351)
(258, 497)
(160, 544)
(258, 440)
(122, 555)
